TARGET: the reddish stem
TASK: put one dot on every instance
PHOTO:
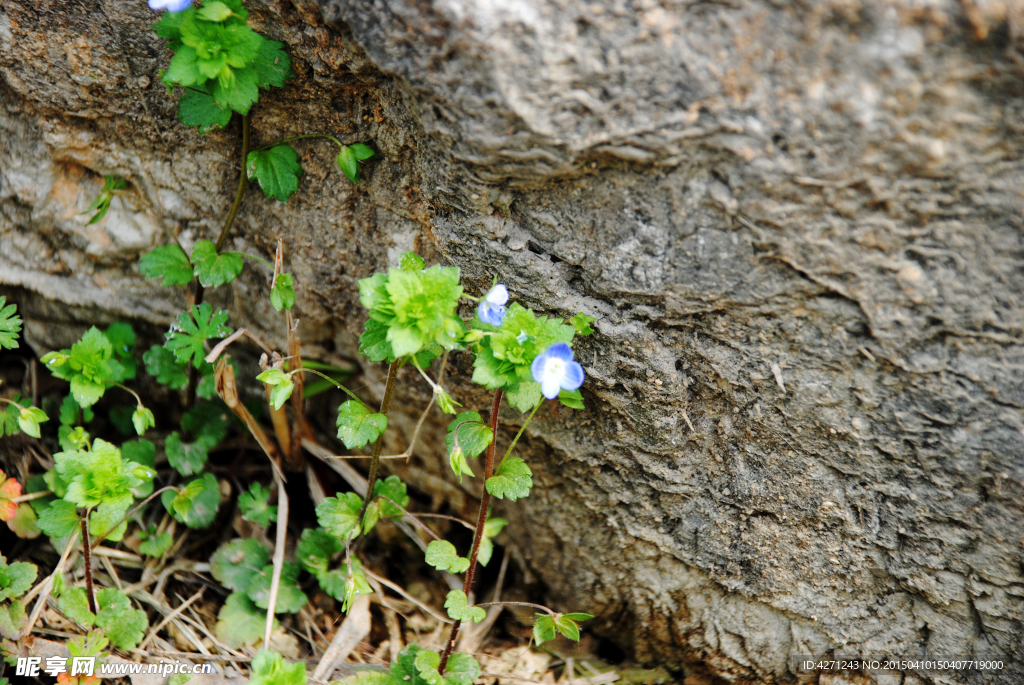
(87, 554)
(481, 519)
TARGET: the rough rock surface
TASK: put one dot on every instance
(799, 225)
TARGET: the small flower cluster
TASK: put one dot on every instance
(555, 368)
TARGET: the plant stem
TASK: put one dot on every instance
(385, 405)
(242, 179)
(193, 374)
(87, 554)
(481, 520)
(550, 612)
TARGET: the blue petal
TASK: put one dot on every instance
(549, 387)
(559, 351)
(497, 295)
(490, 314)
(537, 367)
(573, 377)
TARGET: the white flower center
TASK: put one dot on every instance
(555, 368)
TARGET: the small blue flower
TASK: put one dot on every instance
(172, 5)
(555, 370)
(492, 308)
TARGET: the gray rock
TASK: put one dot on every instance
(798, 225)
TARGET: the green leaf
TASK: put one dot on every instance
(544, 626)
(236, 564)
(154, 545)
(16, 578)
(373, 343)
(272, 65)
(277, 170)
(290, 599)
(457, 461)
(161, 362)
(473, 438)
(348, 163)
(370, 678)
(340, 515)
(69, 412)
(199, 108)
(427, 664)
(282, 384)
(282, 296)
(513, 480)
(239, 622)
(411, 261)
(254, 505)
(410, 311)
(184, 68)
(142, 419)
(214, 11)
(492, 528)
(106, 522)
(355, 585)
(13, 620)
(581, 322)
(241, 94)
(87, 645)
(122, 340)
(168, 262)
(524, 395)
(10, 325)
(567, 624)
(270, 668)
(459, 609)
(571, 398)
(394, 490)
(362, 152)
(359, 425)
(543, 629)
(208, 423)
(86, 365)
(403, 669)
(316, 549)
(196, 505)
(141, 452)
(74, 603)
(29, 419)
(213, 268)
(10, 490)
(186, 457)
(445, 402)
(24, 522)
(100, 476)
(123, 625)
(442, 555)
(190, 332)
(462, 669)
(59, 520)
(9, 414)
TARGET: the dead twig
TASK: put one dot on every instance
(222, 345)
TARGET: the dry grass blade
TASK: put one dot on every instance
(170, 617)
(352, 631)
(279, 543)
